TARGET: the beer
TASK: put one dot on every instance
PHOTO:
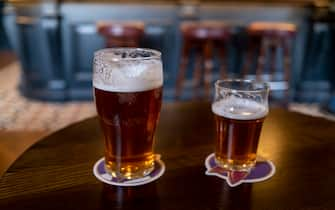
(128, 97)
(128, 121)
(238, 127)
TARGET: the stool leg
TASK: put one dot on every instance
(182, 69)
(197, 73)
(287, 67)
(208, 59)
(273, 54)
(223, 63)
(261, 58)
(251, 48)
(287, 59)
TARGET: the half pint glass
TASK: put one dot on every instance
(239, 107)
(128, 94)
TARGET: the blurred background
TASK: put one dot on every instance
(46, 51)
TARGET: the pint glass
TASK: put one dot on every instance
(239, 107)
(127, 85)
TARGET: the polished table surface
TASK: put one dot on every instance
(56, 173)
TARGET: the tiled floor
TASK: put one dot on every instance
(19, 113)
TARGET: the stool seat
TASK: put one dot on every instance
(121, 34)
(205, 30)
(272, 29)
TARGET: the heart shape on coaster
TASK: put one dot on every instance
(235, 177)
(263, 170)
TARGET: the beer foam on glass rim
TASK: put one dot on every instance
(127, 70)
(239, 108)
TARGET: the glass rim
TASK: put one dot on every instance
(266, 86)
(107, 52)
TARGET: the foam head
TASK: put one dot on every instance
(239, 108)
(127, 70)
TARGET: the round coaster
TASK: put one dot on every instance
(264, 169)
(101, 174)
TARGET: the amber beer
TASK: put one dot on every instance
(128, 121)
(238, 127)
(128, 107)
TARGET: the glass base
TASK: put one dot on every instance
(99, 171)
(129, 172)
(235, 165)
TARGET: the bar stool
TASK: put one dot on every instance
(203, 38)
(121, 34)
(264, 40)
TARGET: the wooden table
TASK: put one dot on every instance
(56, 173)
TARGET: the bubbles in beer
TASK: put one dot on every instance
(123, 72)
(239, 108)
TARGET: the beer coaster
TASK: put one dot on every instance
(101, 174)
(263, 170)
